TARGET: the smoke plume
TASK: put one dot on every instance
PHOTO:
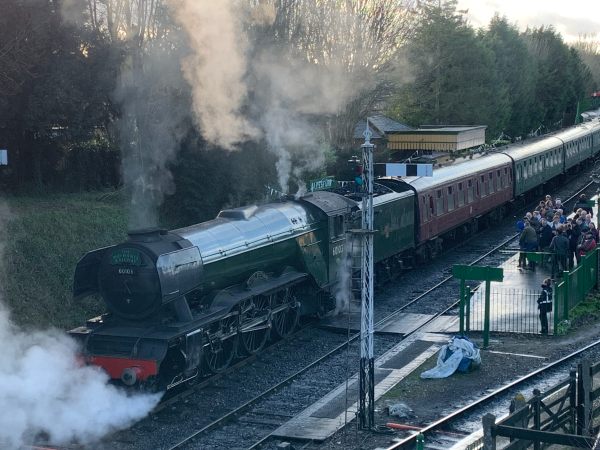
(44, 389)
(216, 68)
(247, 88)
(153, 121)
(343, 294)
(292, 97)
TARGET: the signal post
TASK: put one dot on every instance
(366, 410)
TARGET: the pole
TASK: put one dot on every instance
(462, 307)
(486, 319)
(367, 362)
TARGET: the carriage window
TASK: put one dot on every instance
(482, 186)
(461, 195)
(470, 191)
(439, 204)
(431, 206)
(450, 199)
(490, 187)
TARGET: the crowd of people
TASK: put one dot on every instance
(548, 229)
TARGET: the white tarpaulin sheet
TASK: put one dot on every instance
(450, 357)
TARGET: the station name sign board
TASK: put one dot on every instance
(477, 273)
(322, 184)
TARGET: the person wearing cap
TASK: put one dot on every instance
(544, 302)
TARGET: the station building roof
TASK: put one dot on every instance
(380, 126)
(445, 138)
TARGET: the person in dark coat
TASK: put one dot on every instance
(560, 249)
(574, 235)
(528, 242)
(545, 235)
(544, 302)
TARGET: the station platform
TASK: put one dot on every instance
(329, 414)
(513, 307)
(400, 324)
(513, 302)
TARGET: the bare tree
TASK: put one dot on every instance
(588, 46)
(128, 20)
(357, 38)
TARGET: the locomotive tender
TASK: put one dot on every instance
(186, 301)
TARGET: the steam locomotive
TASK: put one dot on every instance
(187, 301)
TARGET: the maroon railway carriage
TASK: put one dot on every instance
(457, 197)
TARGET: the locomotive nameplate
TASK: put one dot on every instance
(126, 257)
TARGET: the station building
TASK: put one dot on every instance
(430, 144)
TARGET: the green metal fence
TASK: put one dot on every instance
(515, 309)
(511, 311)
(575, 285)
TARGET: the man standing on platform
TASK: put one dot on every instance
(560, 249)
(544, 302)
(528, 242)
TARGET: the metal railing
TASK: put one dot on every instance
(516, 310)
(575, 286)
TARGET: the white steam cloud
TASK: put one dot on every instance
(152, 124)
(291, 93)
(225, 68)
(216, 69)
(343, 293)
(44, 389)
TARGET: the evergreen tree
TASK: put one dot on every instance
(516, 73)
(453, 72)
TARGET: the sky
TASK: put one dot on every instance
(571, 18)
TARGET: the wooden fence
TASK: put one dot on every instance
(567, 414)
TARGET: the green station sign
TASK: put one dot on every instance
(477, 273)
(322, 184)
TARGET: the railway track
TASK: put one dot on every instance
(458, 421)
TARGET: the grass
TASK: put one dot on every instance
(585, 312)
(44, 238)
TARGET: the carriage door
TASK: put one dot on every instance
(337, 246)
